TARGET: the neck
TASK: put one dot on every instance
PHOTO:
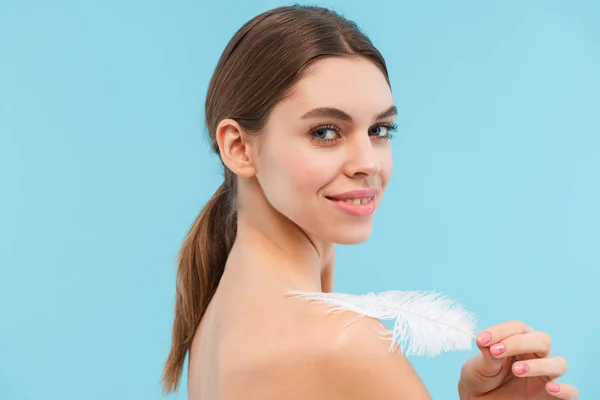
(274, 249)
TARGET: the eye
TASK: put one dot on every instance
(383, 131)
(325, 133)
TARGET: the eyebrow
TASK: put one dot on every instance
(331, 112)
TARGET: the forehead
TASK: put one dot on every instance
(352, 84)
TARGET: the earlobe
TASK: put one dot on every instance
(234, 148)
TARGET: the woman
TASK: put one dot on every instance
(300, 111)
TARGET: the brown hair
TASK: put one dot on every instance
(257, 69)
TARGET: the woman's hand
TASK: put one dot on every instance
(514, 363)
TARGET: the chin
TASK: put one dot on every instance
(349, 236)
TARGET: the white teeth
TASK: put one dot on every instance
(363, 200)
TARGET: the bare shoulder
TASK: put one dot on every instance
(320, 355)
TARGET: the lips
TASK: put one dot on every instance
(356, 202)
(355, 194)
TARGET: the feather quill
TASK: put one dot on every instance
(426, 323)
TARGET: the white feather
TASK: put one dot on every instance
(427, 323)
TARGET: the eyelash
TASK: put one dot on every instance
(391, 127)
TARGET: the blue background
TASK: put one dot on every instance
(104, 165)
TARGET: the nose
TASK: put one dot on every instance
(362, 158)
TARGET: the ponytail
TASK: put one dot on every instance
(201, 264)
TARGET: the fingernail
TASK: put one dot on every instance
(484, 338)
(553, 387)
(497, 349)
(521, 368)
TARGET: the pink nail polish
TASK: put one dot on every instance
(497, 349)
(521, 368)
(484, 338)
(553, 387)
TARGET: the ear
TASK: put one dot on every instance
(235, 148)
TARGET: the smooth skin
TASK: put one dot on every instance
(254, 342)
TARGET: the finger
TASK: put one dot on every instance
(562, 391)
(538, 343)
(497, 333)
(486, 366)
(552, 368)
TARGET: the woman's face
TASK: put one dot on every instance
(324, 157)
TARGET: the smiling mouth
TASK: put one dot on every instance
(356, 206)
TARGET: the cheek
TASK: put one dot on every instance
(387, 167)
(292, 177)
(304, 171)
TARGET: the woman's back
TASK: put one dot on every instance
(260, 344)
